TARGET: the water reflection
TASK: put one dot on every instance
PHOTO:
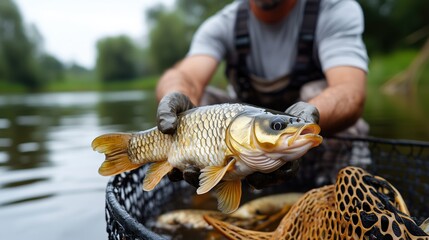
(48, 172)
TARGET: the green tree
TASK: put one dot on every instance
(171, 31)
(53, 69)
(199, 10)
(17, 51)
(169, 40)
(388, 23)
(116, 59)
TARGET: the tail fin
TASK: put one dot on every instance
(233, 232)
(115, 147)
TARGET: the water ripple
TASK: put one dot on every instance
(28, 147)
(4, 123)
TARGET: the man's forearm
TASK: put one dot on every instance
(190, 76)
(174, 80)
(341, 104)
(339, 108)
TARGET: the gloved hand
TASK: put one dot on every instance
(305, 111)
(190, 175)
(258, 180)
(168, 108)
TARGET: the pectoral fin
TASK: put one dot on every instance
(154, 174)
(211, 175)
(234, 232)
(228, 196)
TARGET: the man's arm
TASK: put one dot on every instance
(190, 77)
(341, 104)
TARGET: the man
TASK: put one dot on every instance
(278, 53)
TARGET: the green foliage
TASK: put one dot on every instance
(52, 68)
(172, 31)
(199, 10)
(386, 66)
(17, 50)
(169, 40)
(116, 59)
(9, 87)
(75, 78)
(143, 83)
(388, 23)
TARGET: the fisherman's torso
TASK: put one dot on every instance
(273, 46)
(273, 54)
(279, 88)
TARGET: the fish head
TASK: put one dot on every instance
(266, 140)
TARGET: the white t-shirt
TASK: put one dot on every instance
(274, 46)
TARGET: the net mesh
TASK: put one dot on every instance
(404, 163)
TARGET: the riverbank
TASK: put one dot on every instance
(382, 68)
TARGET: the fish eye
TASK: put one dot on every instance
(278, 124)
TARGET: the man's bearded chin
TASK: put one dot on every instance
(268, 5)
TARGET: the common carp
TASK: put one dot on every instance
(226, 141)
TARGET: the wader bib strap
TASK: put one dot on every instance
(242, 85)
(305, 68)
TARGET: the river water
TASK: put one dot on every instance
(49, 185)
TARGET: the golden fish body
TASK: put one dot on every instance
(199, 140)
(227, 142)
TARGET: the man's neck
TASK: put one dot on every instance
(274, 15)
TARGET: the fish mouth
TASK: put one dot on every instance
(308, 133)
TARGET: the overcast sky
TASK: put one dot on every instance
(71, 28)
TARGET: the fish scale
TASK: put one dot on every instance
(206, 145)
(226, 142)
(149, 145)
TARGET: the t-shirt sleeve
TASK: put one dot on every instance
(212, 37)
(339, 36)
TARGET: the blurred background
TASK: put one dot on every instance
(73, 69)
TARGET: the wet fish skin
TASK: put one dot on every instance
(227, 142)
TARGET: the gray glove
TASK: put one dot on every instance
(168, 108)
(305, 111)
(260, 180)
(176, 102)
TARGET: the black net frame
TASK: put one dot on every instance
(404, 163)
